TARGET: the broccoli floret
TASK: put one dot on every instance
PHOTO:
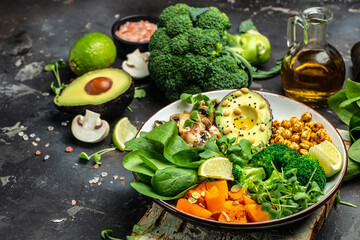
(204, 41)
(180, 44)
(194, 67)
(247, 175)
(306, 166)
(179, 24)
(213, 19)
(278, 154)
(160, 41)
(172, 12)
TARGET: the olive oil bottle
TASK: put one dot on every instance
(313, 70)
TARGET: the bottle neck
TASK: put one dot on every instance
(315, 33)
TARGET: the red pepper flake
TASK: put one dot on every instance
(69, 149)
(122, 183)
(37, 153)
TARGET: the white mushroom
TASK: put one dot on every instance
(137, 64)
(90, 128)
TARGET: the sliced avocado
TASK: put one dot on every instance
(245, 114)
(106, 91)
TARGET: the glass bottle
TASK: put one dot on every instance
(312, 70)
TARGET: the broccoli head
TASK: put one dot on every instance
(278, 154)
(185, 49)
(247, 175)
(306, 166)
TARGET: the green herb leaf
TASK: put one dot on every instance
(266, 207)
(139, 92)
(107, 234)
(189, 123)
(50, 67)
(84, 156)
(345, 113)
(97, 158)
(136, 228)
(186, 97)
(246, 26)
(354, 151)
(275, 70)
(60, 63)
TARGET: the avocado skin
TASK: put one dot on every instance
(109, 109)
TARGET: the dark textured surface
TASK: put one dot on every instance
(36, 194)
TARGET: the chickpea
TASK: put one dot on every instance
(279, 139)
(276, 124)
(287, 134)
(287, 142)
(305, 144)
(286, 123)
(310, 124)
(295, 138)
(294, 120)
(303, 151)
(305, 135)
(317, 126)
(294, 146)
(306, 128)
(297, 127)
(306, 117)
(320, 135)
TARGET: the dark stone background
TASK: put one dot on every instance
(36, 194)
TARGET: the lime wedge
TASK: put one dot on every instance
(123, 132)
(217, 167)
(329, 157)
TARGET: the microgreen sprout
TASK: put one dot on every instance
(54, 67)
(97, 155)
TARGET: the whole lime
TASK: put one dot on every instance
(90, 52)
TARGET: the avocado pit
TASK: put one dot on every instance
(98, 85)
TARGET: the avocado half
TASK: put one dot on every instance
(106, 91)
(245, 114)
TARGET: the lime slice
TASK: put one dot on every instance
(329, 157)
(217, 167)
(123, 132)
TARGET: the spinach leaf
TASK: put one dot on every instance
(155, 161)
(143, 178)
(143, 143)
(133, 162)
(353, 170)
(174, 144)
(173, 180)
(163, 133)
(354, 127)
(354, 151)
(147, 190)
(352, 90)
(345, 113)
(188, 158)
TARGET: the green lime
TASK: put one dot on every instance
(90, 52)
(216, 167)
(123, 132)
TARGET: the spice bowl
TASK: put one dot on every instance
(123, 46)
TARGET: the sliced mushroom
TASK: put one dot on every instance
(180, 119)
(89, 128)
(137, 64)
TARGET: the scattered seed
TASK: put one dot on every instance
(262, 105)
(37, 152)
(122, 178)
(225, 103)
(69, 149)
(73, 202)
(50, 128)
(21, 134)
(104, 174)
(96, 166)
(64, 124)
(236, 188)
(203, 194)
(34, 143)
(32, 135)
(245, 90)
(116, 177)
(226, 216)
(25, 137)
(46, 157)
(196, 195)
(235, 203)
(122, 183)
(94, 180)
(238, 93)
(37, 139)
(99, 183)
(201, 205)
(47, 145)
(111, 182)
(192, 200)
